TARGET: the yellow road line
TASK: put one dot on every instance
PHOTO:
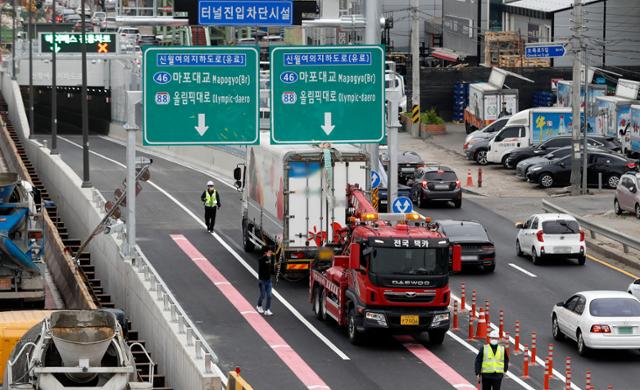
(613, 267)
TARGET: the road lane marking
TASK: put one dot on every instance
(475, 351)
(235, 254)
(613, 267)
(435, 363)
(524, 271)
(539, 360)
(269, 335)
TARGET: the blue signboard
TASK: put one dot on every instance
(375, 179)
(548, 51)
(245, 13)
(402, 204)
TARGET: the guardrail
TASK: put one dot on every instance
(625, 240)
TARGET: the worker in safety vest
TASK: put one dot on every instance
(491, 363)
(211, 199)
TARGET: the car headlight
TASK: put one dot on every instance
(441, 317)
(379, 317)
(535, 169)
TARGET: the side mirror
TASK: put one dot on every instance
(562, 164)
(560, 304)
(354, 257)
(457, 258)
(519, 225)
(633, 189)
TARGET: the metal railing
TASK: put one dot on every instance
(203, 351)
(594, 229)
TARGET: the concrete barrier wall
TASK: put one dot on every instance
(182, 354)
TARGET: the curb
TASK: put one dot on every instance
(609, 254)
(473, 192)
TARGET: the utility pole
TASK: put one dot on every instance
(585, 154)
(54, 84)
(415, 62)
(575, 99)
(85, 108)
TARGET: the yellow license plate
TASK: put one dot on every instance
(409, 320)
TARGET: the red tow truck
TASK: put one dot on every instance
(392, 274)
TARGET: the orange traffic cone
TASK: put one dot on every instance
(469, 179)
(481, 332)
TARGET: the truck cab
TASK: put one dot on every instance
(392, 278)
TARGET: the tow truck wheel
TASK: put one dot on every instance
(355, 336)
(436, 337)
(317, 303)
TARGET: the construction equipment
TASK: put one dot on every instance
(21, 243)
(75, 349)
(393, 274)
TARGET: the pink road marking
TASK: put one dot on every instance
(290, 357)
(435, 363)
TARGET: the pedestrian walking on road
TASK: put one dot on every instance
(211, 199)
(491, 363)
(265, 271)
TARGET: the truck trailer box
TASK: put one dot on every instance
(485, 104)
(565, 88)
(613, 118)
(294, 197)
(634, 129)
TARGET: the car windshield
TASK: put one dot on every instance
(560, 226)
(414, 261)
(465, 232)
(441, 175)
(615, 307)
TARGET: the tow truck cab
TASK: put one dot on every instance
(390, 277)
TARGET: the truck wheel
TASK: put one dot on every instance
(247, 245)
(355, 336)
(504, 162)
(317, 303)
(436, 337)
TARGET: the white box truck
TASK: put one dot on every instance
(634, 131)
(613, 118)
(529, 127)
(486, 103)
(295, 198)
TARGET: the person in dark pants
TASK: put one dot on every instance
(491, 363)
(211, 199)
(265, 271)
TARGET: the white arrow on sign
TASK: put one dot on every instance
(403, 206)
(328, 126)
(202, 127)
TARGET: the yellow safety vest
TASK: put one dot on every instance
(493, 364)
(211, 199)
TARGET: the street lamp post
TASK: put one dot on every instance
(30, 35)
(54, 85)
(85, 108)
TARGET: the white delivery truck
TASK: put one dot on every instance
(295, 198)
(529, 127)
(486, 104)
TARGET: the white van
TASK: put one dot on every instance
(529, 127)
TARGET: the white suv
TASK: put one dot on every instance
(551, 235)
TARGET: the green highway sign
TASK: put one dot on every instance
(200, 96)
(66, 42)
(327, 94)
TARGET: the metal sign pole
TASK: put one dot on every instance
(54, 85)
(372, 37)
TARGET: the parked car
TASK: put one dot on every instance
(627, 196)
(523, 166)
(550, 236)
(477, 248)
(436, 183)
(488, 131)
(598, 320)
(476, 149)
(547, 146)
(558, 172)
(634, 288)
